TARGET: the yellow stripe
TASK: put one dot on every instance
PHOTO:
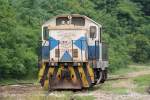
(50, 72)
(73, 75)
(91, 73)
(41, 72)
(83, 77)
(46, 83)
(58, 75)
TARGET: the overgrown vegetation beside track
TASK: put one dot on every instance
(143, 83)
(135, 79)
(126, 29)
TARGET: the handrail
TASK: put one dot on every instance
(72, 51)
(49, 51)
(58, 50)
(81, 52)
(84, 44)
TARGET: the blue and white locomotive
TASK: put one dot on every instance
(72, 55)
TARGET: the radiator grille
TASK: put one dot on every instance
(56, 52)
(75, 53)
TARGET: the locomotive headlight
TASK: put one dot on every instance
(65, 64)
(70, 18)
(79, 64)
(52, 64)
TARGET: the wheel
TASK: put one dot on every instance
(104, 76)
(100, 77)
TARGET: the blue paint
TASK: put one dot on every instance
(45, 52)
(81, 43)
(66, 57)
(93, 52)
(53, 43)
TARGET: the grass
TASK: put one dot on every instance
(84, 98)
(18, 81)
(56, 96)
(108, 86)
(120, 91)
(131, 68)
(33, 98)
(142, 83)
(47, 98)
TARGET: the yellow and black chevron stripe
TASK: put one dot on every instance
(52, 77)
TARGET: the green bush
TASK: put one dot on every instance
(139, 48)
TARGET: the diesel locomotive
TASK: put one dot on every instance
(72, 54)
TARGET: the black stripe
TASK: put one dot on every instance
(77, 74)
(51, 79)
(55, 73)
(87, 74)
(45, 74)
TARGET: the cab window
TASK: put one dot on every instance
(93, 31)
(78, 21)
(61, 20)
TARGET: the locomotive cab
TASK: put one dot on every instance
(72, 53)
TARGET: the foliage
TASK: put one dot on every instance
(145, 5)
(125, 23)
(142, 83)
(139, 47)
(17, 48)
(118, 53)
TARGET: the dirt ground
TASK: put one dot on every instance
(19, 91)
